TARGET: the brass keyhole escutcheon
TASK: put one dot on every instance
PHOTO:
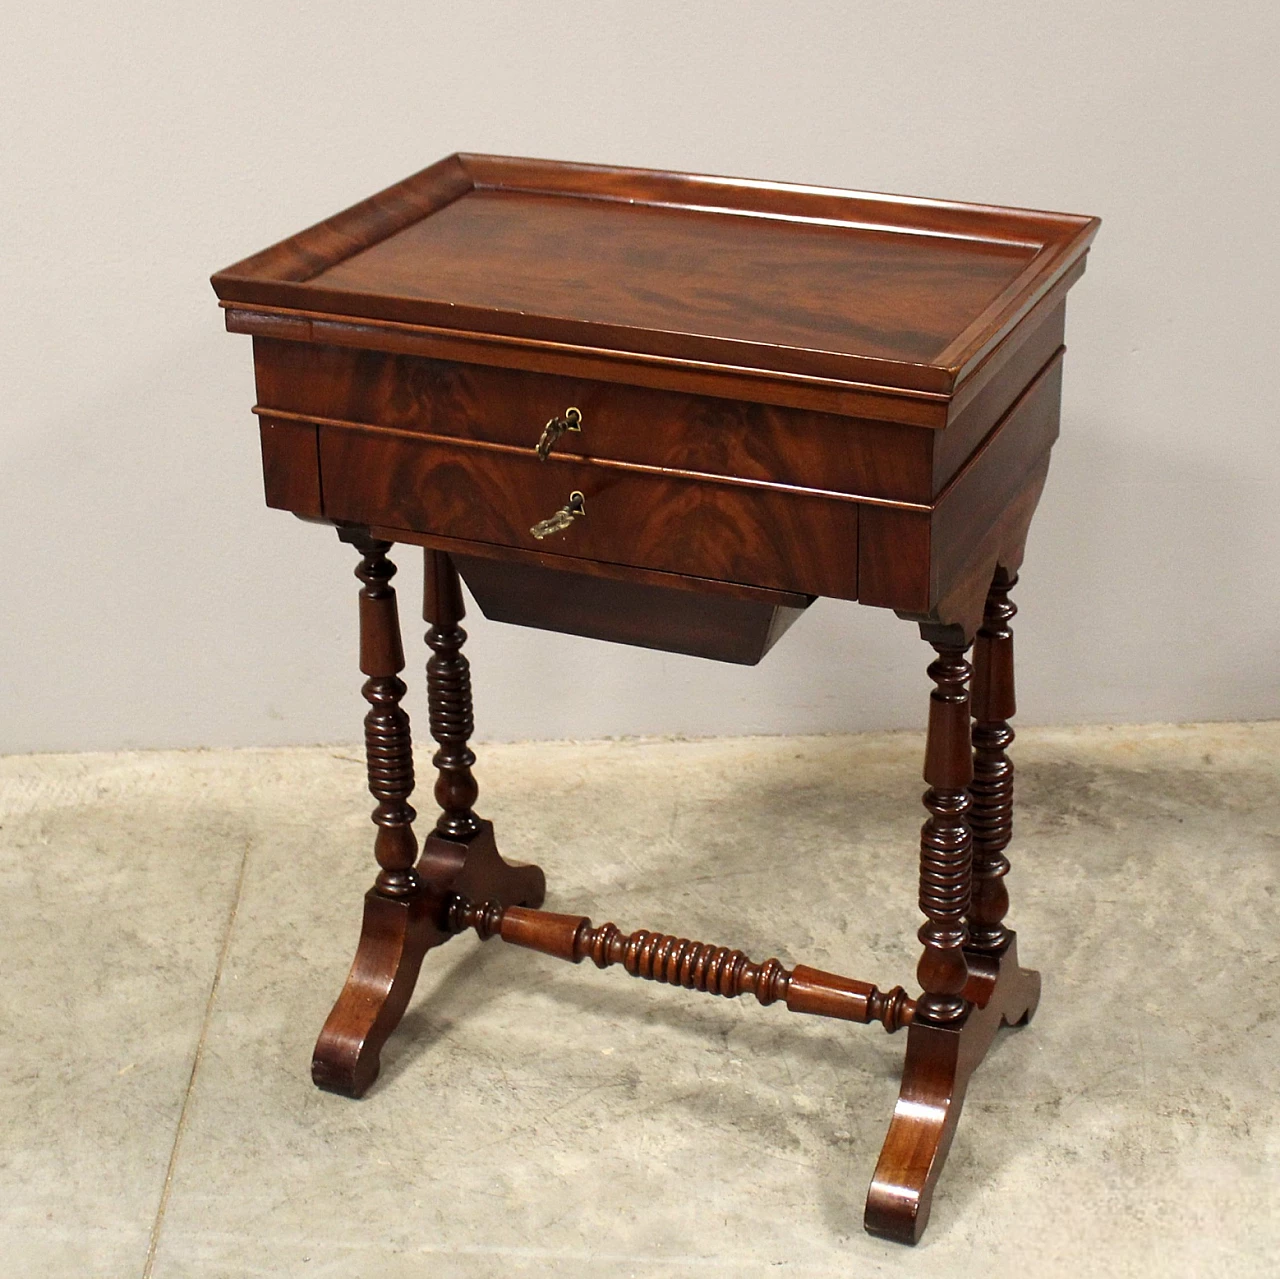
(554, 429)
(557, 523)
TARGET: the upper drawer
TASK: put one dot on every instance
(680, 433)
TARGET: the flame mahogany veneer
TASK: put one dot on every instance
(783, 392)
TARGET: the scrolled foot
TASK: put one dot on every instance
(395, 937)
(924, 1121)
(939, 1063)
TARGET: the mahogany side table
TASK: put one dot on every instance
(672, 410)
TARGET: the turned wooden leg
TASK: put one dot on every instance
(404, 909)
(397, 927)
(929, 1103)
(969, 991)
(946, 844)
(449, 694)
(991, 815)
(460, 856)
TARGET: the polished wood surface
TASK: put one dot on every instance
(395, 936)
(677, 433)
(659, 268)
(720, 627)
(449, 698)
(759, 537)
(991, 815)
(291, 466)
(447, 451)
(912, 560)
(671, 410)
(940, 1061)
(789, 280)
(946, 842)
(388, 743)
(402, 912)
(392, 943)
(677, 961)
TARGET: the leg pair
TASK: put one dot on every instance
(403, 911)
(968, 971)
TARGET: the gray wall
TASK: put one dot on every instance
(151, 600)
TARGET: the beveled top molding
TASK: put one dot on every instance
(874, 305)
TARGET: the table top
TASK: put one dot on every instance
(879, 290)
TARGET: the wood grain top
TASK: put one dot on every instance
(883, 291)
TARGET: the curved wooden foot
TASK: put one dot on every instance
(939, 1063)
(394, 939)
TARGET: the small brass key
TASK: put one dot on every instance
(561, 520)
(572, 421)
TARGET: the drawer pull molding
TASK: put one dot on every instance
(572, 421)
(561, 520)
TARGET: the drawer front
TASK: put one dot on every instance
(785, 540)
(619, 422)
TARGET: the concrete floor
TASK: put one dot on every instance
(178, 924)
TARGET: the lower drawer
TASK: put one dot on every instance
(762, 537)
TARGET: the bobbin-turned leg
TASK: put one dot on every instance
(968, 992)
(933, 1078)
(398, 927)
(460, 856)
(991, 815)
